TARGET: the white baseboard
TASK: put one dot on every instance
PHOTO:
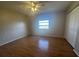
(12, 40)
(69, 43)
(48, 36)
(76, 52)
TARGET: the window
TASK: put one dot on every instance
(43, 24)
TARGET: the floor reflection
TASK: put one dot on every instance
(43, 44)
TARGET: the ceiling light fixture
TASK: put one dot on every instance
(35, 7)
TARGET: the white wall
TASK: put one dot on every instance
(56, 27)
(72, 23)
(13, 25)
(72, 29)
(76, 48)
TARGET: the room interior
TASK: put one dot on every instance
(39, 28)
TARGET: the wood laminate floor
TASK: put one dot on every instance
(36, 47)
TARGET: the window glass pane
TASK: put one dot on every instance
(43, 24)
(43, 27)
(44, 21)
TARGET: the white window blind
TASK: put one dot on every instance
(43, 24)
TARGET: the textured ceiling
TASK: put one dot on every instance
(55, 6)
(47, 6)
